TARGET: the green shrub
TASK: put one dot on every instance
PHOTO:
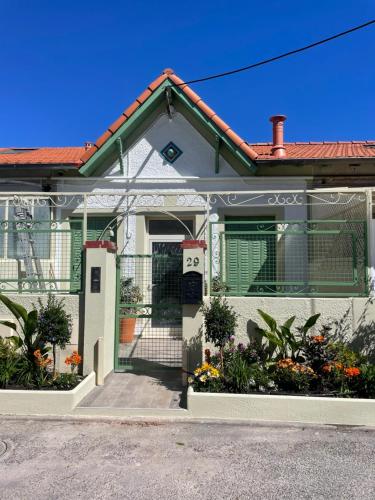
(9, 360)
(54, 324)
(220, 322)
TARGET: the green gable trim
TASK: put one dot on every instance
(216, 131)
(99, 157)
(98, 162)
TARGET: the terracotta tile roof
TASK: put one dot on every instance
(169, 74)
(259, 151)
(41, 156)
(318, 150)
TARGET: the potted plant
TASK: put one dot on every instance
(129, 294)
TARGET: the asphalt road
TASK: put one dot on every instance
(44, 459)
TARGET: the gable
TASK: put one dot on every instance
(144, 157)
(166, 93)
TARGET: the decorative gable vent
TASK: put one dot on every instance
(171, 152)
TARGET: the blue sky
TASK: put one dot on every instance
(69, 68)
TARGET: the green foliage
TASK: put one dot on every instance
(130, 294)
(66, 381)
(238, 374)
(281, 341)
(220, 321)
(9, 360)
(29, 338)
(281, 360)
(290, 380)
(54, 325)
(218, 285)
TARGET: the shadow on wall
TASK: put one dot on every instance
(193, 348)
(363, 338)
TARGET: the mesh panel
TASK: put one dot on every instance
(36, 255)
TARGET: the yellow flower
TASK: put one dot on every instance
(190, 380)
(203, 378)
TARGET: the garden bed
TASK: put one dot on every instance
(44, 402)
(261, 407)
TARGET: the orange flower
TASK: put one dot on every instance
(302, 369)
(285, 363)
(352, 371)
(318, 339)
(74, 360)
(328, 367)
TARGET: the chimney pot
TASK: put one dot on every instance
(278, 148)
(88, 145)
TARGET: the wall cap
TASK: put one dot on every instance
(109, 245)
(193, 244)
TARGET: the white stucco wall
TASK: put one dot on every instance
(72, 307)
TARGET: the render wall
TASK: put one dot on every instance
(72, 307)
(352, 319)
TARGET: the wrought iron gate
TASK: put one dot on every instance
(149, 312)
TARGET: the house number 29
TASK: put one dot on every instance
(190, 262)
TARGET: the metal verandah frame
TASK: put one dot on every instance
(308, 232)
(263, 198)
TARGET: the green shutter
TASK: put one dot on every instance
(76, 255)
(250, 258)
(95, 227)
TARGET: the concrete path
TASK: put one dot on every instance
(49, 459)
(162, 389)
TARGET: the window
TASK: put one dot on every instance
(167, 227)
(10, 240)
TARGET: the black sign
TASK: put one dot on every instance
(192, 288)
(95, 279)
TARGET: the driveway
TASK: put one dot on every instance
(54, 459)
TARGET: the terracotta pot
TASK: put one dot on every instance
(127, 329)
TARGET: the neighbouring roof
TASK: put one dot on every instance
(42, 156)
(78, 156)
(318, 150)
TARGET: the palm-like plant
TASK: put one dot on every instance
(27, 338)
(282, 342)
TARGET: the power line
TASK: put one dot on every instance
(281, 56)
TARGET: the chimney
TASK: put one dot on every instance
(278, 148)
(88, 145)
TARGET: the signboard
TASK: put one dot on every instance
(193, 260)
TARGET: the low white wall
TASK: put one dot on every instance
(352, 319)
(26, 402)
(29, 300)
(312, 410)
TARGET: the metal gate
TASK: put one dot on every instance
(149, 312)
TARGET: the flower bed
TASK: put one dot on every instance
(44, 402)
(25, 361)
(279, 360)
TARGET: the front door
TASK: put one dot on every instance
(166, 282)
